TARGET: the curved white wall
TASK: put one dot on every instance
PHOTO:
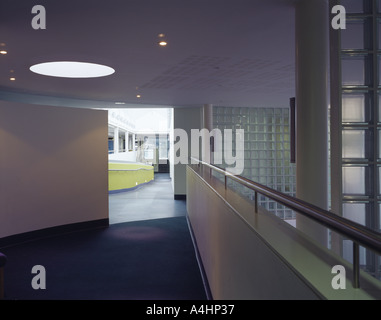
(53, 166)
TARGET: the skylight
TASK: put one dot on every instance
(72, 69)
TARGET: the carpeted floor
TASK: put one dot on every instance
(139, 260)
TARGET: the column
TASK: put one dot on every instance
(312, 63)
(207, 123)
(126, 138)
(116, 140)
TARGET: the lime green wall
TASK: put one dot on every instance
(136, 174)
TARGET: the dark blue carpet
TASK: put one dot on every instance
(143, 260)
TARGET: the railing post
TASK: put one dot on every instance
(256, 202)
(356, 265)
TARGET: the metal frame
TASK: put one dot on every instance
(370, 20)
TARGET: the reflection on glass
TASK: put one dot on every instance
(353, 180)
(353, 144)
(353, 108)
(353, 72)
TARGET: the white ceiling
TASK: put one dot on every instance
(222, 52)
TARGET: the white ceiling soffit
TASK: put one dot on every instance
(222, 52)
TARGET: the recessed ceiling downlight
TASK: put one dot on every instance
(72, 69)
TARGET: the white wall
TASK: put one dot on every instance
(238, 263)
(186, 119)
(121, 118)
(53, 166)
(151, 120)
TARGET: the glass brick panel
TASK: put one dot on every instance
(353, 72)
(353, 108)
(353, 36)
(360, 71)
(353, 143)
(354, 180)
(354, 212)
(353, 6)
(267, 154)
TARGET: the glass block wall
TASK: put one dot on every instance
(361, 125)
(267, 150)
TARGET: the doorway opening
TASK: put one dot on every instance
(140, 172)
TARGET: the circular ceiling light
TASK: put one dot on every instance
(72, 69)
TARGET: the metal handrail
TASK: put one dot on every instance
(358, 233)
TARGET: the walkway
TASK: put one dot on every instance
(145, 254)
